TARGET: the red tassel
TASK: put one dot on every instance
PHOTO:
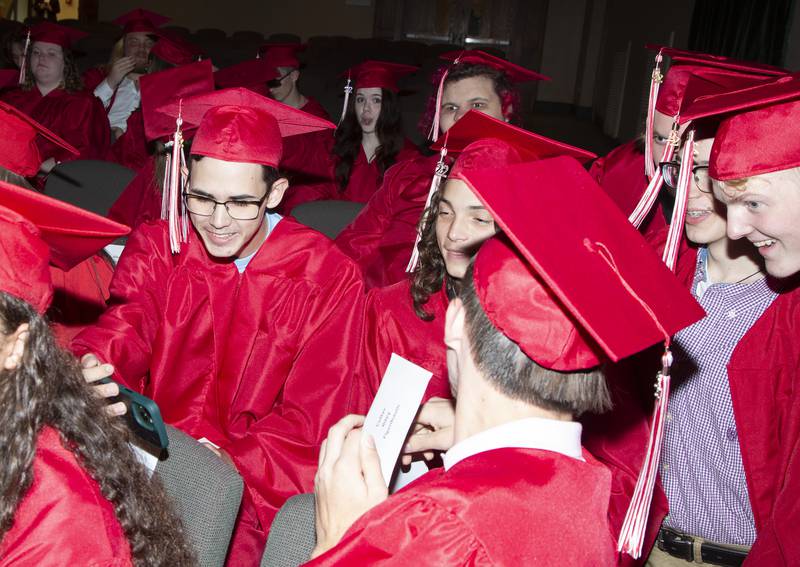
(655, 82)
(24, 65)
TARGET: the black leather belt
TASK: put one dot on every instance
(682, 546)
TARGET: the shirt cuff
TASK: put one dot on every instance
(104, 92)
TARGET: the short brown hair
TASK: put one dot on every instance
(515, 375)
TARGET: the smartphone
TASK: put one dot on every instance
(142, 416)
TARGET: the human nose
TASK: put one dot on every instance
(220, 217)
(457, 231)
(738, 226)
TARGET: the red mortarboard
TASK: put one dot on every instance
(163, 87)
(30, 223)
(174, 49)
(515, 73)
(246, 74)
(141, 20)
(48, 32)
(475, 135)
(378, 74)
(240, 125)
(562, 289)
(760, 137)
(18, 150)
(281, 54)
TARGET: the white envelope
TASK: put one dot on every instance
(394, 408)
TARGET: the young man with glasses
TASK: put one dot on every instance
(237, 335)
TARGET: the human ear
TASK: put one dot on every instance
(13, 347)
(276, 192)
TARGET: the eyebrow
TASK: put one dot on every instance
(201, 193)
(471, 207)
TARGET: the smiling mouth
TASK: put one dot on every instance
(697, 213)
(764, 243)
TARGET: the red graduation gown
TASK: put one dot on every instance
(381, 238)
(63, 519)
(80, 296)
(313, 107)
(141, 200)
(621, 174)
(365, 179)
(392, 325)
(131, 149)
(500, 507)
(79, 118)
(245, 360)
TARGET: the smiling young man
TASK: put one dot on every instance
(235, 336)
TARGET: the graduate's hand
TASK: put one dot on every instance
(93, 371)
(432, 431)
(47, 165)
(119, 69)
(349, 481)
(221, 453)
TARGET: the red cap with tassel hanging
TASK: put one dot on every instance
(479, 142)
(373, 74)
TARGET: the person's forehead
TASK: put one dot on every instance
(467, 88)
(369, 91)
(458, 193)
(46, 46)
(138, 37)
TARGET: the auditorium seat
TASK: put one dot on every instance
(293, 533)
(328, 217)
(89, 184)
(206, 491)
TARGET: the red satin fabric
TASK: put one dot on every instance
(79, 297)
(313, 107)
(131, 149)
(141, 200)
(365, 180)
(245, 360)
(621, 175)
(63, 519)
(500, 507)
(79, 118)
(392, 326)
(381, 238)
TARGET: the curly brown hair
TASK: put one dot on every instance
(72, 82)
(431, 272)
(48, 389)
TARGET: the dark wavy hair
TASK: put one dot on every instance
(72, 81)
(347, 140)
(48, 389)
(509, 96)
(431, 272)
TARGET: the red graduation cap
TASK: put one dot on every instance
(48, 32)
(515, 73)
(141, 20)
(476, 137)
(536, 290)
(240, 125)
(18, 150)
(282, 54)
(250, 73)
(161, 88)
(36, 229)
(756, 136)
(174, 49)
(378, 74)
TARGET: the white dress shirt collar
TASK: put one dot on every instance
(531, 433)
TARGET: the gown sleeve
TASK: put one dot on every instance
(125, 333)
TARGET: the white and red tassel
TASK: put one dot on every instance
(433, 135)
(655, 82)
(648, 199)
(174, 184)
(348, 90)
(631, 537)
(23, 66)
(441, 172)
(675, 234)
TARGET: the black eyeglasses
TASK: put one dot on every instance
(275, 83)
(671, 170)
(238, 210)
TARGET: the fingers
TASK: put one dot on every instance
(337, 435)
(437, 413)
(89, 360)
(371, 469)
(429, 441)
(116, 409)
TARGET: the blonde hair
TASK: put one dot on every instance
(731, 187)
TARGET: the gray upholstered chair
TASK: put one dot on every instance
(293, 533)
(328, 217)
(89, 184)
(207, 492)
